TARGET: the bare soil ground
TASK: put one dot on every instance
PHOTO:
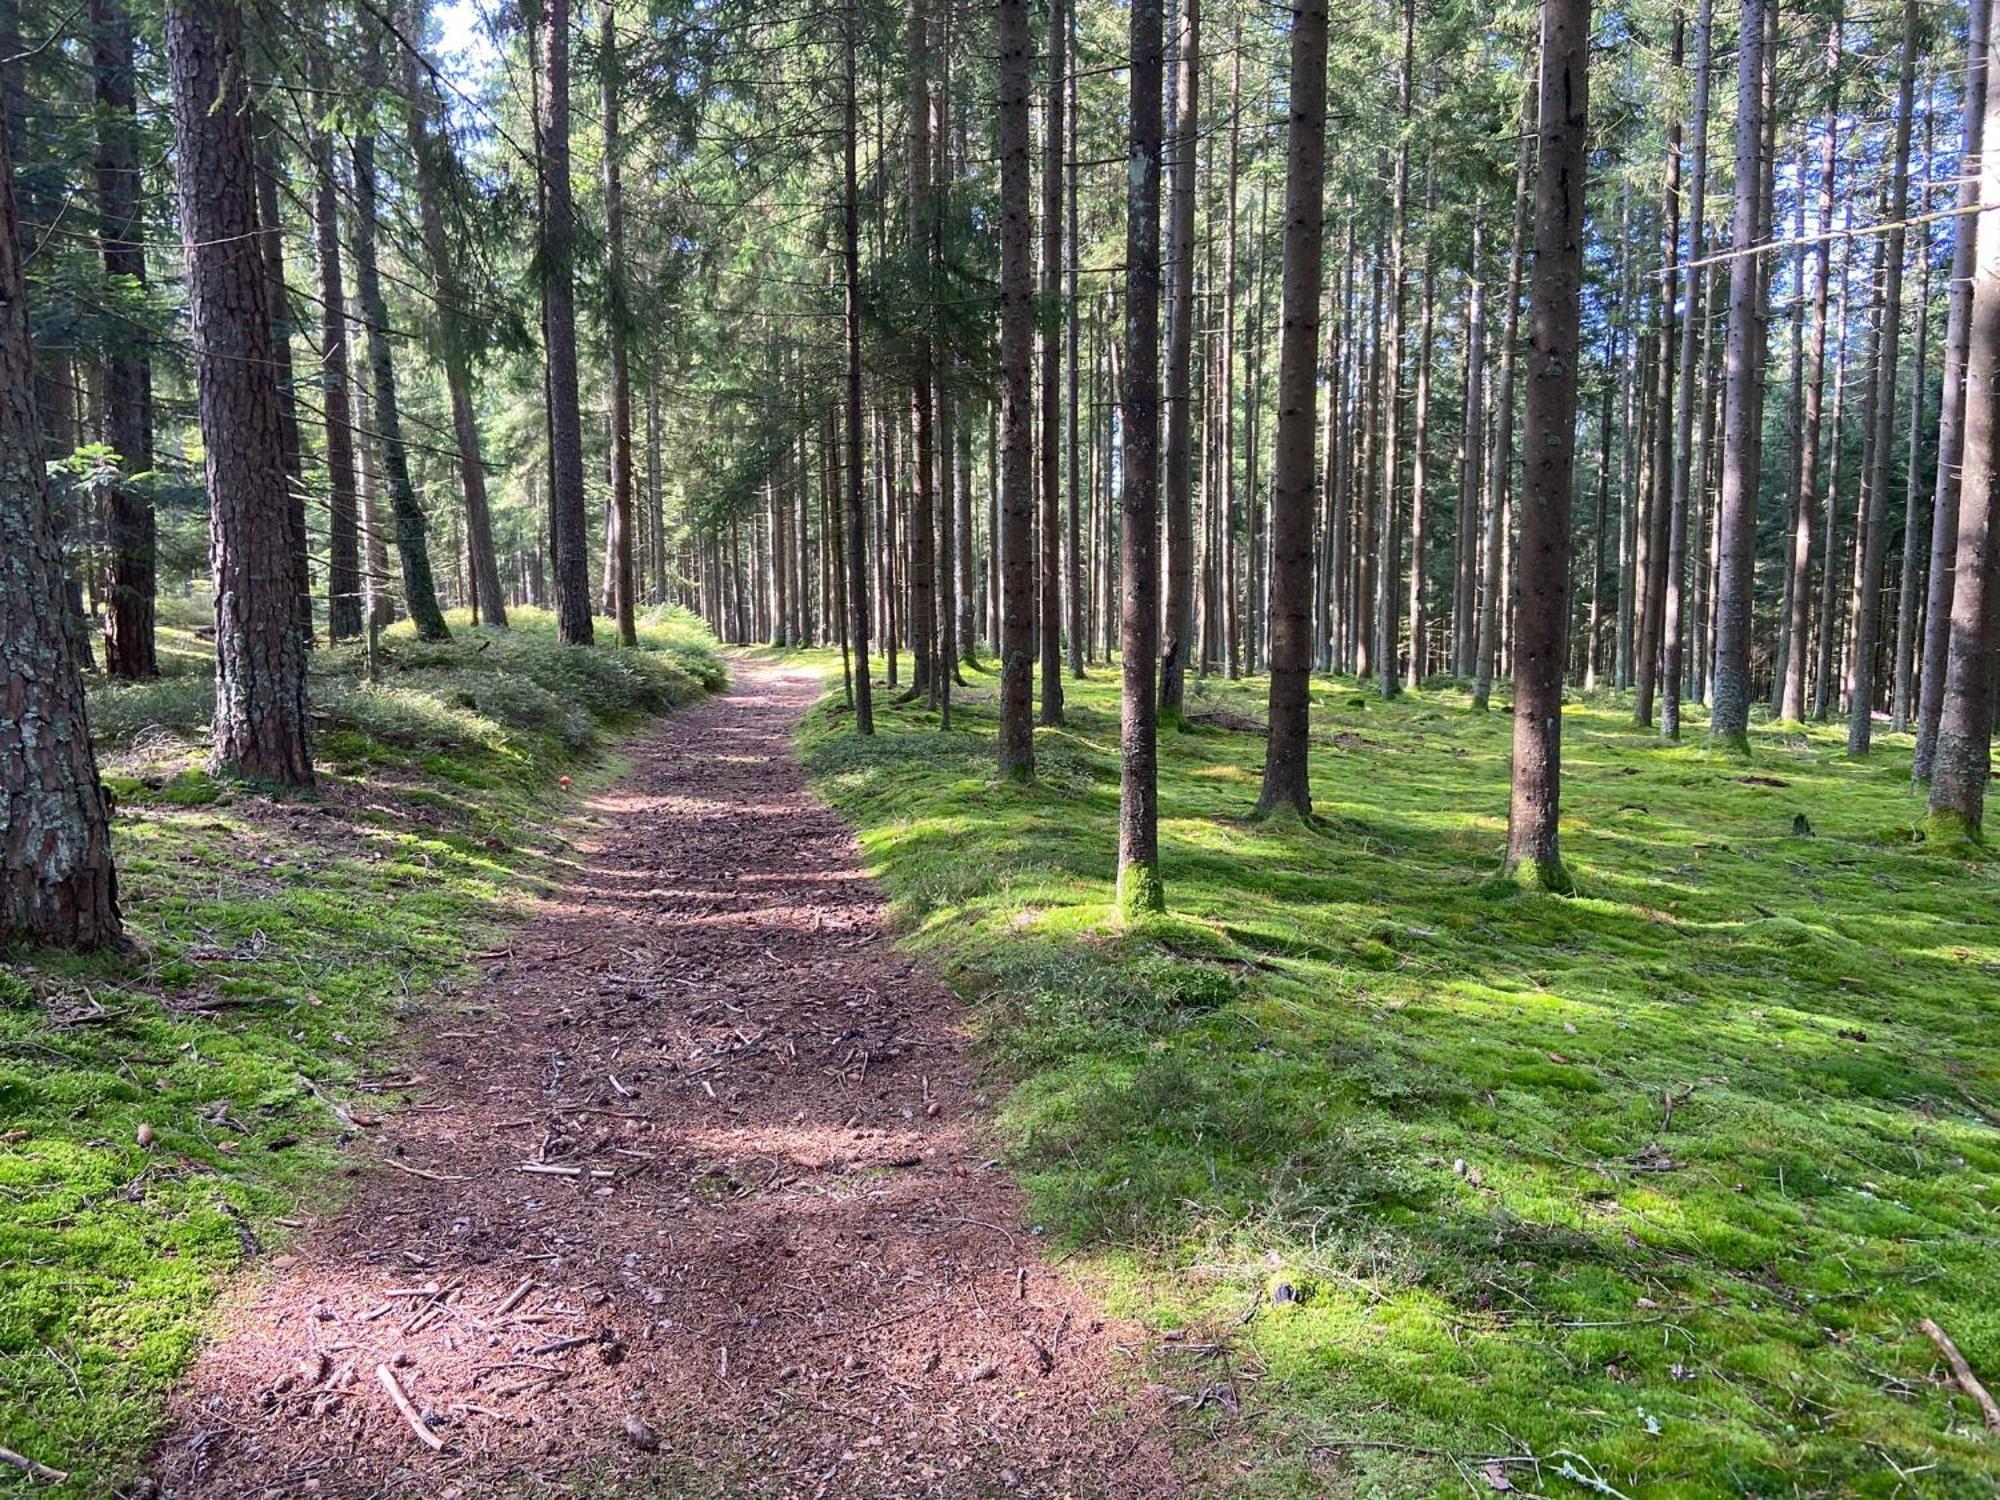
(693, 1204)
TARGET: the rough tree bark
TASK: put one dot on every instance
(1388, 545)
(1139, 886)
(1951, 419)
(1049, 528)
(261, 722)
(1962, 759)
(1541, 629)
(1017, 437)
(568, 523)
(343, 572)
(57, 882)
(617, 318)
(1294, 474)
(856, 539)
(1651, 624)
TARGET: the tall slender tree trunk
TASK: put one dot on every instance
(1139, 886)
(1792, 703)
(569, 526)
(412, 543)
(1541, 633)
(1178, 477)
(1902, 694)
(921, 530)
(1417, 663)
(1659, 522)
(57, 881)
(1232, 634)
(1465, 556)
(1493, 582)
(128, 370)
(856, 539)
(1049, 528)
(261, 724)
(1072, 307)
(1017, 437)
(1729, 720)
(1294, 474)
(344, 591)
(1825, 693)
(1938, 594)
(1673, 621)
(1962, 759)
(1387, 541)
(271, 242)
(430, 151)
(1875, 524)
(617, 330)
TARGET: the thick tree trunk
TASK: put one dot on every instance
(57, 882)
(1017, 437)
(1139, 886)
(261, 721)
(1294, 474)
(568, 521)
(1178, 476)
(1963, 755)
(1875, 523)
(1729, 721)
(1541, 630)
(1938, 600)
(412, 542)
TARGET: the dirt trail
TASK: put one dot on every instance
(716, 1127)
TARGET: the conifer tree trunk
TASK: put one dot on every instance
(1294, 474)
(1729, 721)
(1465, 555)
(568, 521)
(1049, 527)
(1875, 522)
(271, 242)
(1178, 476)
(1901, 698)
(856, 538)
(1417, 663)
(57, 882)
(1659, 523)
(128, 371)
(1074, 573)
(1541, 633)
(921, 625)
(343, 574)
(1232, 652)
(412, 543)
(1388, 575)
(1017, 439)
(1492, 569)
(261, 722)
(1792, 703)
(1938, 601)
(1824, 692)
(1139, 885)
(428, 152)
(618, 341)
(1673, 616)
(1962, 759)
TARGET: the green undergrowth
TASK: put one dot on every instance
(162, 1110)
(1652, 1183)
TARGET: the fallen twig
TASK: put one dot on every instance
(516, 1297)
(390, 1161)
(28, 1466)
(1962, 1372)
(410, 1414)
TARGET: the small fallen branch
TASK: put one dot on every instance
(29, 1467)
(1962, 1373)
(390, 1161)
(516, 1297)
(410, 1414)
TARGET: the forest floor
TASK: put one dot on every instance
(1423, 1183)
(686, 1197)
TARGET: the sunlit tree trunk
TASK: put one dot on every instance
(1654, 584)
(344, 592)
(1178, 473)
(1541, 635)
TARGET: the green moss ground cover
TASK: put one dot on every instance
(162, 1110)
(1653, 1184)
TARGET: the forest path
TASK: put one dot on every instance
(717, 1128)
